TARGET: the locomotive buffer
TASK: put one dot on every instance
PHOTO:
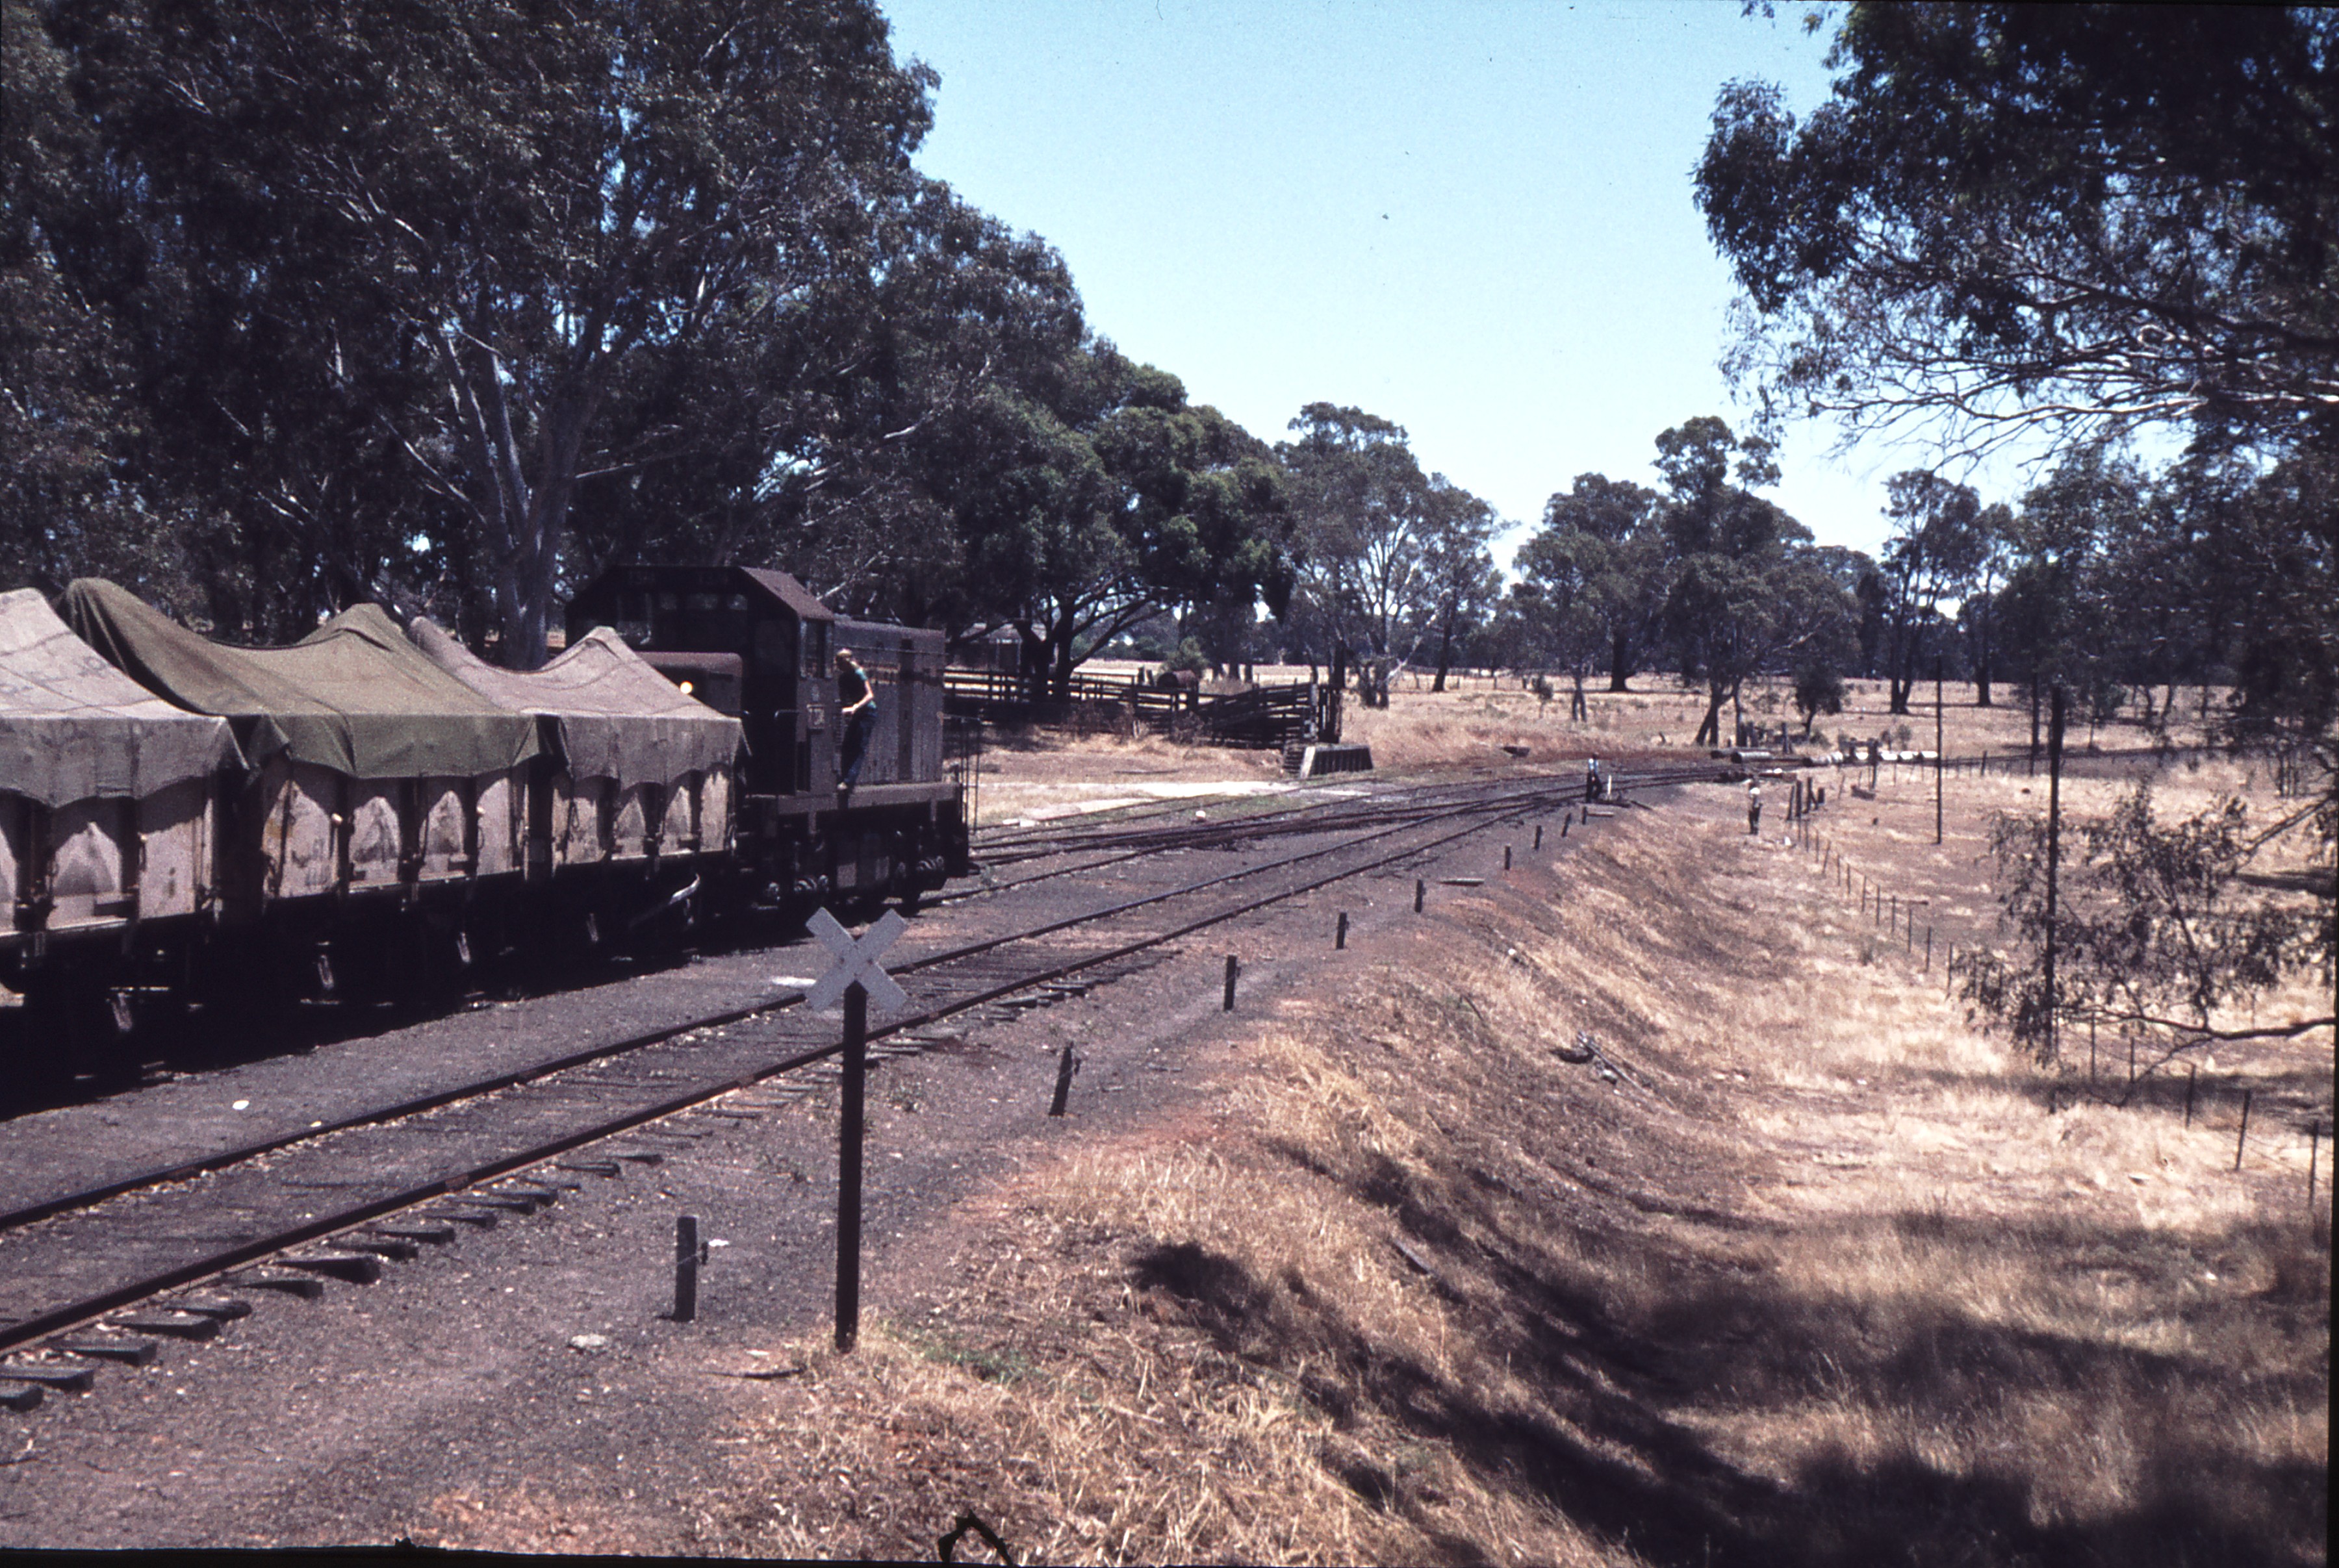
(854, 977)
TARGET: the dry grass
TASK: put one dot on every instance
(1815, 1278)
(1420, 726)
(1946, 889)
(1470, 724)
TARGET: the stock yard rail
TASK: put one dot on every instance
(94, 1268)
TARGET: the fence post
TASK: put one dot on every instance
(2313, 1147)
(1233, 968)
(2243, 1137)
(1340, 933)
(686, 1268)
(1420, 891)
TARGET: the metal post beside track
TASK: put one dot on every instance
(688, 1254)
(848, 1168)
(849, 980)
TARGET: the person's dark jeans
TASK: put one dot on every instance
(856, 747)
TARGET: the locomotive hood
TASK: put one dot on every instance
(72, 727)
(343, 698)
(613, 716)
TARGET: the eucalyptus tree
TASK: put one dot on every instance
(1609, 529)
(1933, 555)
(1464, 585)
(1093, 508)
(1361, 505)
(1748, 593)
(1560, 594)
(2061, 224)
(2269, 563)
(2074, 220)
(1977, 611)
(67, 419)
(481, 250)
(884, 423)
(2057, 616)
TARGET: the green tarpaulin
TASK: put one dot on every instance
(72, 727)
(353, 695)
(614, 717)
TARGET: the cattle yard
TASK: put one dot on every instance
(1561, 1186)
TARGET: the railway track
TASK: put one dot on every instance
(99, 1271)
(1116, 842)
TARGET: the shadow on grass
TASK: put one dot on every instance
(1616, 1433)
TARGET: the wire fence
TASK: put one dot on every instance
(2116, 1075)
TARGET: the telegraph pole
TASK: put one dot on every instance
(2054, 851)
(1938, 757)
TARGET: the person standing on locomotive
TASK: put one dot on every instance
(857, 706)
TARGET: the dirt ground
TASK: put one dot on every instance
(1647, 1203)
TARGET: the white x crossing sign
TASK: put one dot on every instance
(856, 961)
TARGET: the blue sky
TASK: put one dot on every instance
(1473, 219)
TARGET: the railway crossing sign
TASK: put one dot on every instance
(856, 961)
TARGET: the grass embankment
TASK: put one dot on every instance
(1814, 1277)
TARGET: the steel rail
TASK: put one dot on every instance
(1413, 805)
(1114, 833)
(211, 1263)
(1219, 834)
(85, 1198)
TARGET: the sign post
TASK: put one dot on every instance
(852, 979)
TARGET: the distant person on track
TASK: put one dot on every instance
(1753, 807)
(1591, 780)
(856, 701)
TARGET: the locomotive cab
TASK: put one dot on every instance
(757, 644)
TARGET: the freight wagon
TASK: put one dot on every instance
(376, 809)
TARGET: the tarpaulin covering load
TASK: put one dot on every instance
(351, 697)
(614, 718)
(72, 727)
